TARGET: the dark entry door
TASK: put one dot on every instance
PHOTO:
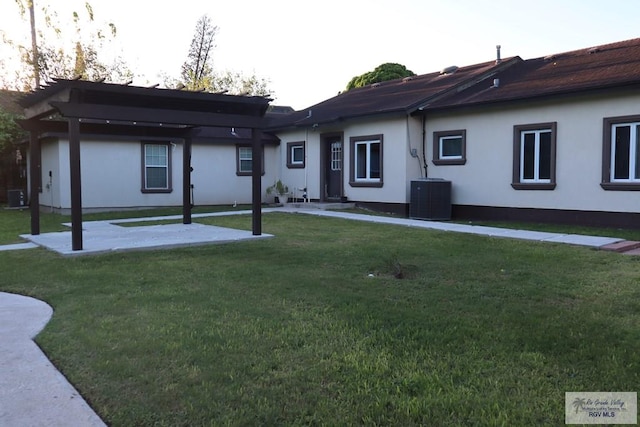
(333, 165)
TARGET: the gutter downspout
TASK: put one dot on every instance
(424, 144)
(305, 194)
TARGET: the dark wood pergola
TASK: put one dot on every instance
(77, 108)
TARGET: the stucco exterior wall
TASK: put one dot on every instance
(399, 134)
(112, 175)
(214, 175)
(299, 178)
(485, 179)
(51, 185)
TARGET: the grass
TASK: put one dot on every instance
(315, 327)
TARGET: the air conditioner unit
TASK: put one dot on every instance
(430, 199)
(16, 198)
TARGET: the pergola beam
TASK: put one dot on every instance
(160, 116)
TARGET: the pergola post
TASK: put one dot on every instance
(256, 181)
(35, 175)
(76, 185)
(186, 181)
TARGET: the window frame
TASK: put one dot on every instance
(144, 166)
(438, 158)
(239, 171)
(607, 183)
(517, 182)
(369, 140)
(291, 163)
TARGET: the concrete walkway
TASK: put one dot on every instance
(108, 236)
(572, 239)
(32, 390)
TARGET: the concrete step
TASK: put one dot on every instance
(632, 252)
(623, 246)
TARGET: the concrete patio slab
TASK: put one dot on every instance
(104, 237)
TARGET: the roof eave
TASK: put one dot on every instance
(309, 123)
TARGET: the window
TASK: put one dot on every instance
(156, 173)
(534, 157)
(450, 147)
(245, 163)
(295, 155)
(621, 154)
(244, 160)
(366, 161)
(336, 156)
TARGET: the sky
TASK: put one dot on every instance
(309, 50)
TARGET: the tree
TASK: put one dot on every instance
(198, 72)
(12, 160)
(197, 69)
(51, 57)
(234, 82)
(10, 131)
(382, 73)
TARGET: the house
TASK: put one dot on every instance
(555, 138)
(544, 139)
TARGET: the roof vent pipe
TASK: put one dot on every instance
(498, 60)
(496, 83)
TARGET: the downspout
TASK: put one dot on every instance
(424, 144)
(305, 193)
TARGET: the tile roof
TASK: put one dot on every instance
(400, 95)
(602, 67)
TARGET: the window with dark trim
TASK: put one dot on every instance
(534, 156)
(156, 167)
(244, 160)
(621, 153)
(295, 154)
(450, 147)
(366, 161)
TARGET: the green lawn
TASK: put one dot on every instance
(313, 327)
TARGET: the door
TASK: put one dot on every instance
(332, 168)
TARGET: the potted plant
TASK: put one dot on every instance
(280, 190)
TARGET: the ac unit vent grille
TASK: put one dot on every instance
(430, 199)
